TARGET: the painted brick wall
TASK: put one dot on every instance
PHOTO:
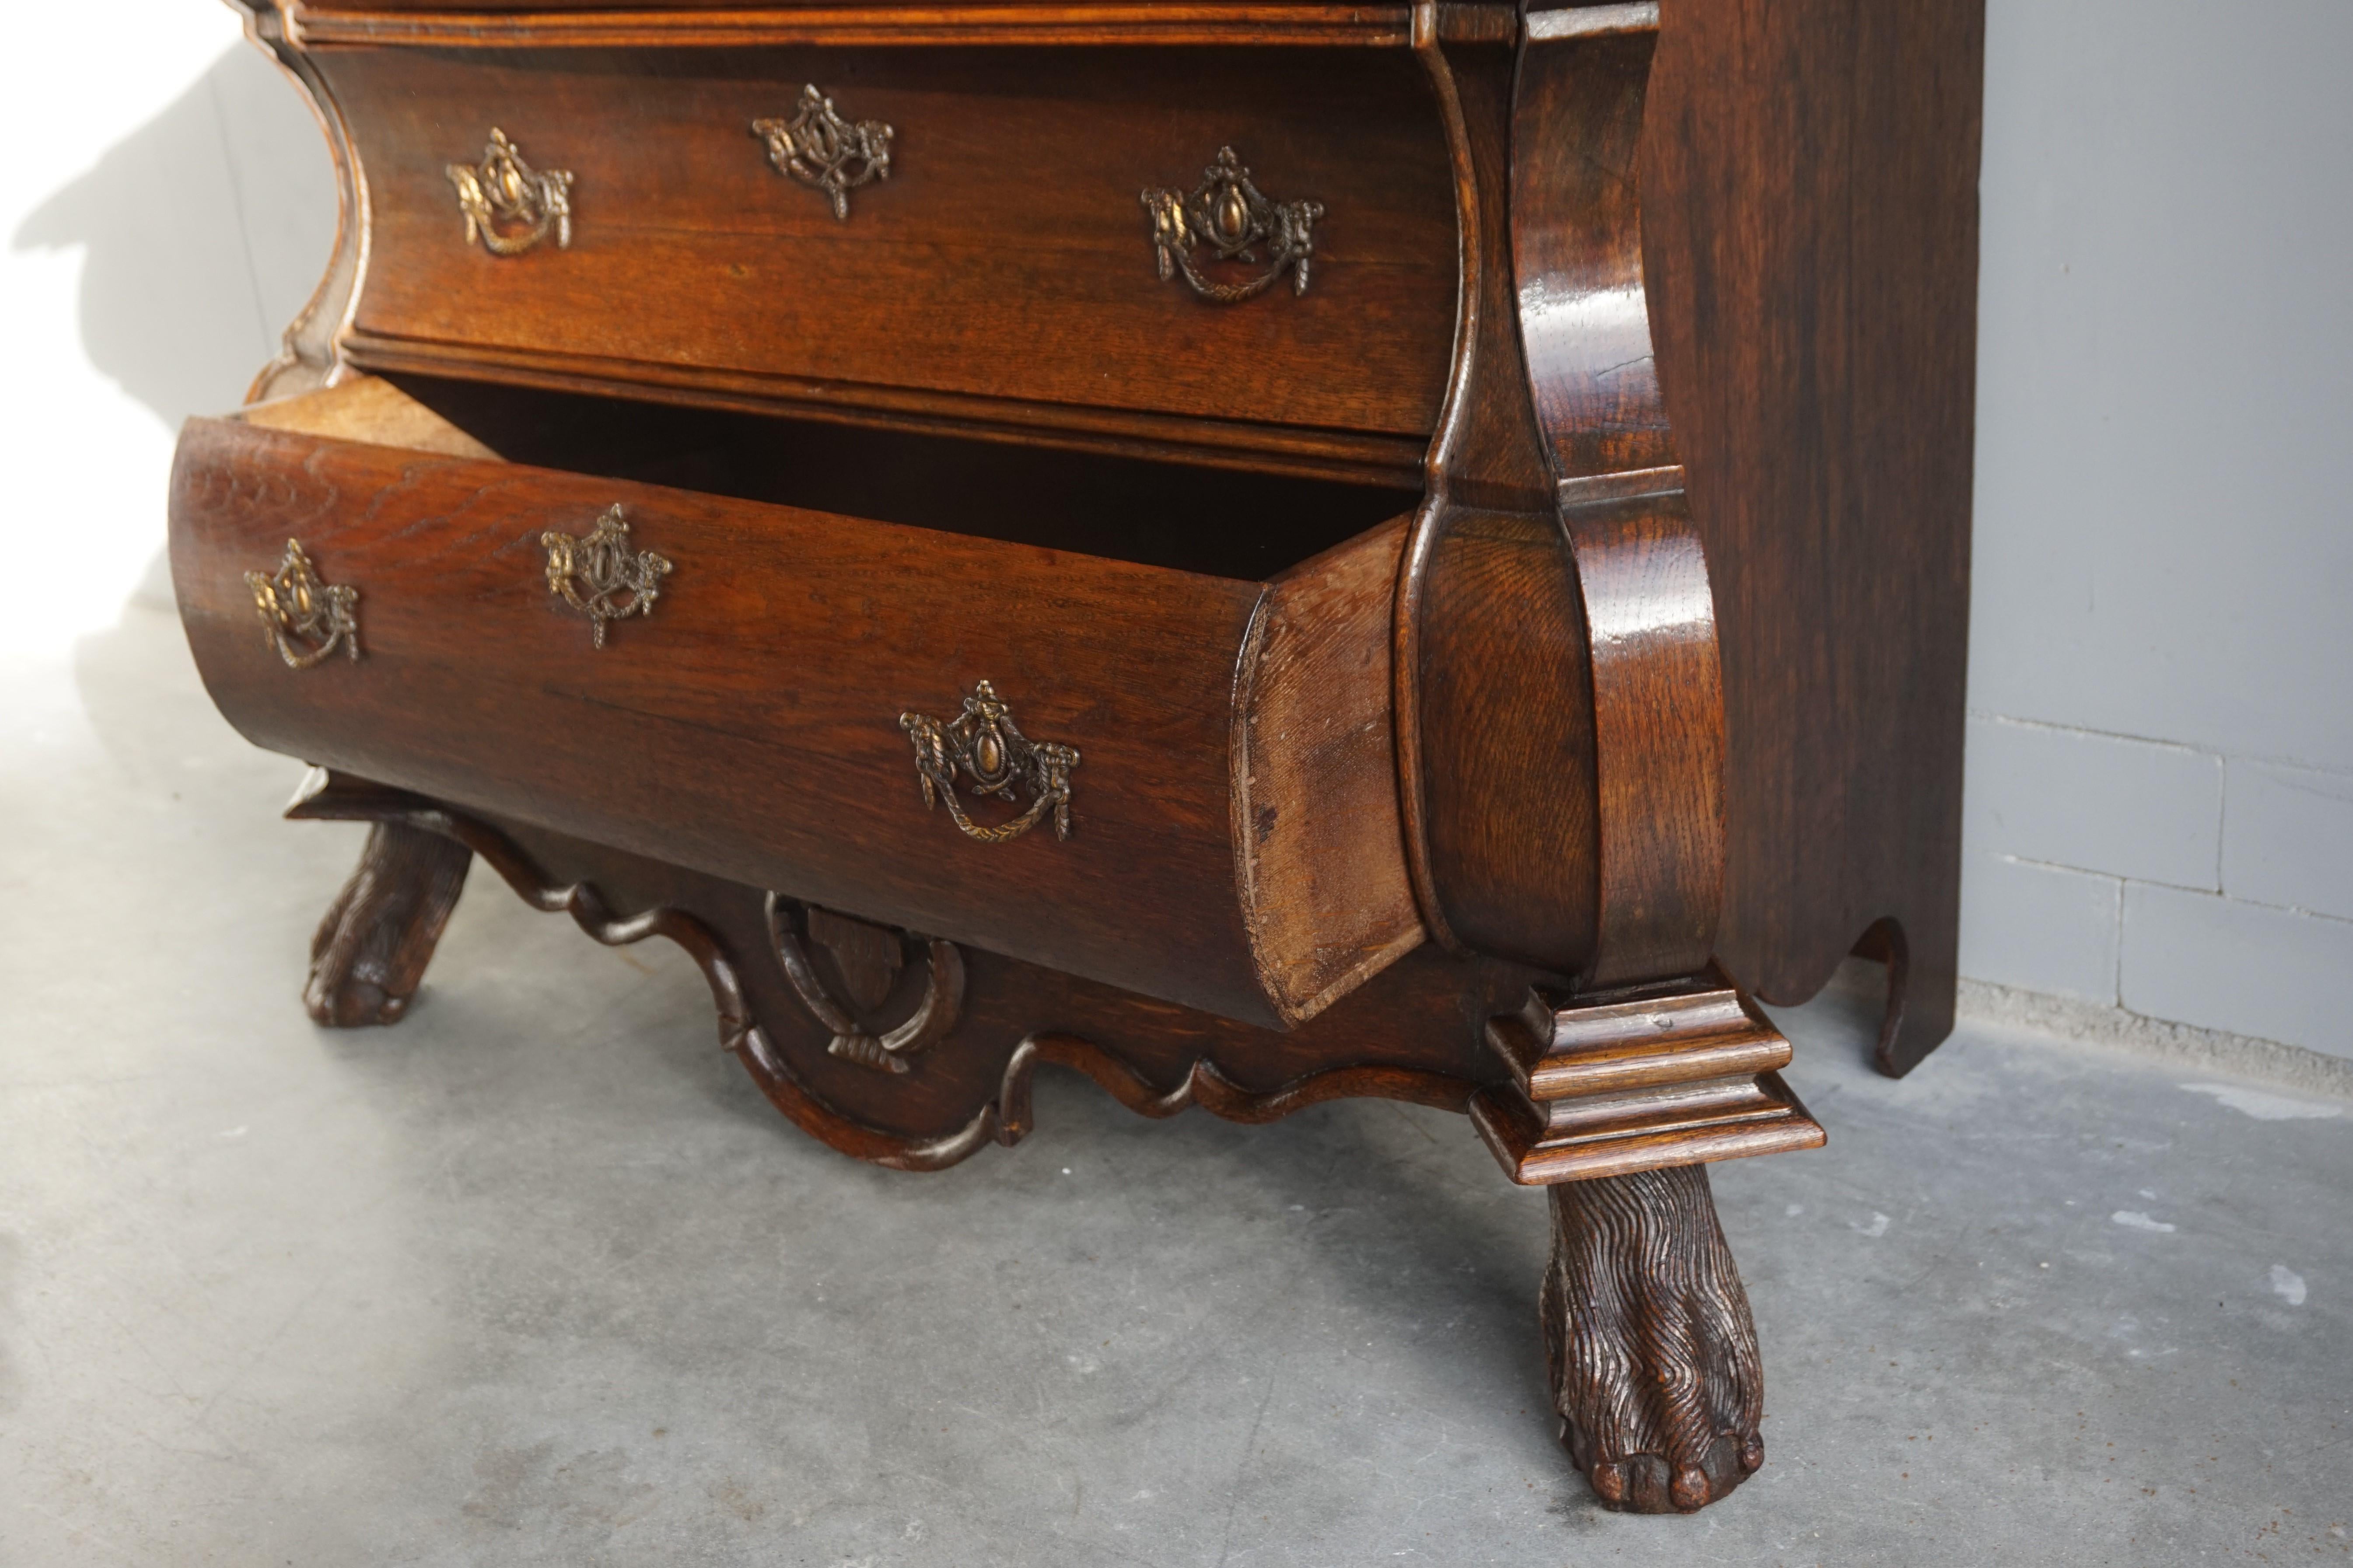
(2160, 777)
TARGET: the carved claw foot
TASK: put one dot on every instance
(1653, 1354)
(371, 950)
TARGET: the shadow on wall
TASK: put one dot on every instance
(204, 233)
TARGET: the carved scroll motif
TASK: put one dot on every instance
(867, 958)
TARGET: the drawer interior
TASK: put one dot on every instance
(1217, 522)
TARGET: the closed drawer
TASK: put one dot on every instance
(1003, 275)
(1233, 837)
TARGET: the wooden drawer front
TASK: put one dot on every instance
(749, 726)
(1004, 269)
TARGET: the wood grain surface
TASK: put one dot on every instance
(1806, 181)
(748, 727)
(1005, 269)
(1650, 1342)
(1810, 197)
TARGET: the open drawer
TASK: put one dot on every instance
(1190, 670)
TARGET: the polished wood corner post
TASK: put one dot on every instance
(1554, 560)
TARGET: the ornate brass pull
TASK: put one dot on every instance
(504, 191)
(983, 744)
(1235, 219)
(306, 619)
(600, 576)
(817, 147)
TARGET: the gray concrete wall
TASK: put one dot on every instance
(2160, 776)
(2160, 790)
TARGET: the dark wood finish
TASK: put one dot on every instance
(371, 950)
(496, 23)
(1506, 804)
(1003, 274)
(1653, 1351)
(1556, 519)
(310, 350)
(1407, 1034)
(1473, 721)
(1228, 850)
(1810, 236)
(1608, 1082)
(1811, 233)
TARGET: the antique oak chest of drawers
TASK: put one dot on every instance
(1258, 551)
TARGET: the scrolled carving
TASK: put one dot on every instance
(817, 147)
(1229, 214)
(984, 744)
(1003, 1118)
(504, 191)
(305, 618)
(868, 959)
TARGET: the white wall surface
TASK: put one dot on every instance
(166, 208)
(2160, 774)
(2160, 787)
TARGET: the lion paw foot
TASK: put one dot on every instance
(1653, 1353)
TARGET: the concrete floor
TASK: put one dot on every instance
(538, 1278)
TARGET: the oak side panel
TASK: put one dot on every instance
(1810, 206)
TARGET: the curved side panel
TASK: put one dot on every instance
(1656, 682)
(1493, 738)
(1657, 726)
(310, 356)
(1577, 248)
(1429, 523)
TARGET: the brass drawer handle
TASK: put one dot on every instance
(817, 147)
(505, 192)
(306, 619)
(600, 576)
(984, 744)
(1235, 219)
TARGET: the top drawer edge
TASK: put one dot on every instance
(545, 24)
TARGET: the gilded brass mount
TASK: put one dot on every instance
(984, 744)
(305, 619)
(510, 206)
(600, 576)
(1229, 214)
